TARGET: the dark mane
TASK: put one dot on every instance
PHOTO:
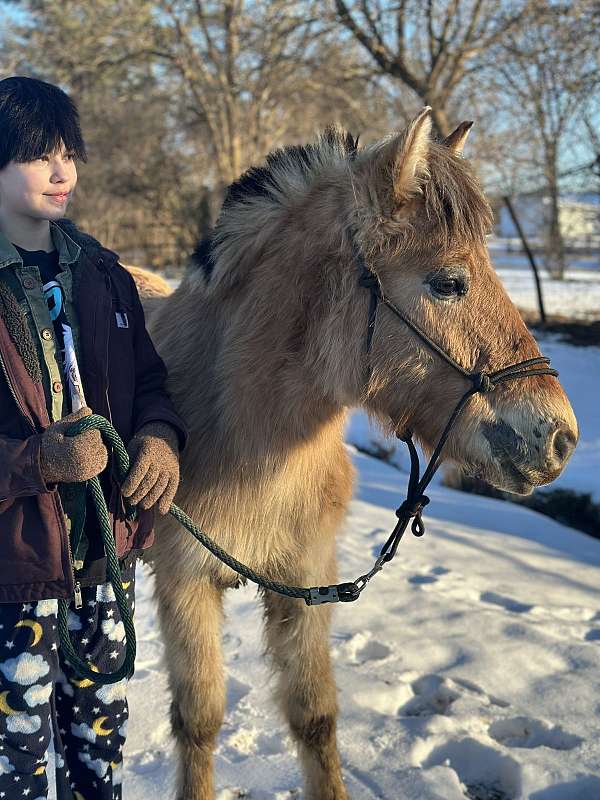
(203, 258)
(265, 180)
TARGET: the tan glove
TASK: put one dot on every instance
(71, 458)
(154, 473)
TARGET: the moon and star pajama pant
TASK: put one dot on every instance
(39, 693)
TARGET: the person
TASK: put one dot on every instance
(73, 342)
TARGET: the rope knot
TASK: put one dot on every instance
(413, 508)
(483, 383)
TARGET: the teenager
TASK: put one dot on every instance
(72, 342)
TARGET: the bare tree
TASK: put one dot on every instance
(253, 74)
(549, 73)
(431, 46)
(137, 193)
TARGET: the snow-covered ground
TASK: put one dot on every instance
(470, 664)
(578, 295)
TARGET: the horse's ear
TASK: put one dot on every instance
(456, 140)
(402, 162)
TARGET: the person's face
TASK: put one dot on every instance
(39, 189)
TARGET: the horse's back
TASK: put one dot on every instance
(152, 288)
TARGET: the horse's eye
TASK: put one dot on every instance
(447, 287)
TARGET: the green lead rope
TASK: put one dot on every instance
(83, 668)
(342, 592)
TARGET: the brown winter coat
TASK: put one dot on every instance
(123, 379)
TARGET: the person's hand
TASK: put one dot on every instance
(154, 473)
(71, 459)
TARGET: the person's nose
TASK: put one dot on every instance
(60, 172)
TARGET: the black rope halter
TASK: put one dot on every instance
(481, 382)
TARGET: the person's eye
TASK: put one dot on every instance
(43, 159)
(69, 156)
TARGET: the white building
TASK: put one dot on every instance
(579, 216)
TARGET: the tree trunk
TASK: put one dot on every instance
(555, 246)
(441, 126)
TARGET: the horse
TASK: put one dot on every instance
(265, 343)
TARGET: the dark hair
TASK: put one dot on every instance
(35, 117)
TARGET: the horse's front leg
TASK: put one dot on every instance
(298, 640)
(191, 616)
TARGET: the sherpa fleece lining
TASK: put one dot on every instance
(18, 329)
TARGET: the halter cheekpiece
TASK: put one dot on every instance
(416, 500)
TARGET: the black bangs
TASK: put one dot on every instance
(35, 118)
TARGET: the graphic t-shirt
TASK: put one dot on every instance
(48, 266)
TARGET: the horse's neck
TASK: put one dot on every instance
(243, 393)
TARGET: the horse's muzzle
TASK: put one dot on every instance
(521, 462)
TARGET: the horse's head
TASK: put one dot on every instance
(419, 220)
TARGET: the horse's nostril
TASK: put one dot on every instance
(563, 443)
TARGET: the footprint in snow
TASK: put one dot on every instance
(584, 787)
(372, 651)
(231, 641)
(361, 648)
(505, 602)
(471, 686)
(249, 741)
(486, 773)
(420, 579)
(147, 761)
(432, 577)
(433, 694)
(479, 791)
(528, 732)
(236, 690)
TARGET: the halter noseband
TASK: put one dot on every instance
(481, 382)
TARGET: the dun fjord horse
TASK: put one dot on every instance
(264, 341)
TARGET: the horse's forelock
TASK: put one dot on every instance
(454, 200)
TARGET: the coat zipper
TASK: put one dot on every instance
(106, 382)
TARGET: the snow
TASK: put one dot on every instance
(578, 295)
(472, 660)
